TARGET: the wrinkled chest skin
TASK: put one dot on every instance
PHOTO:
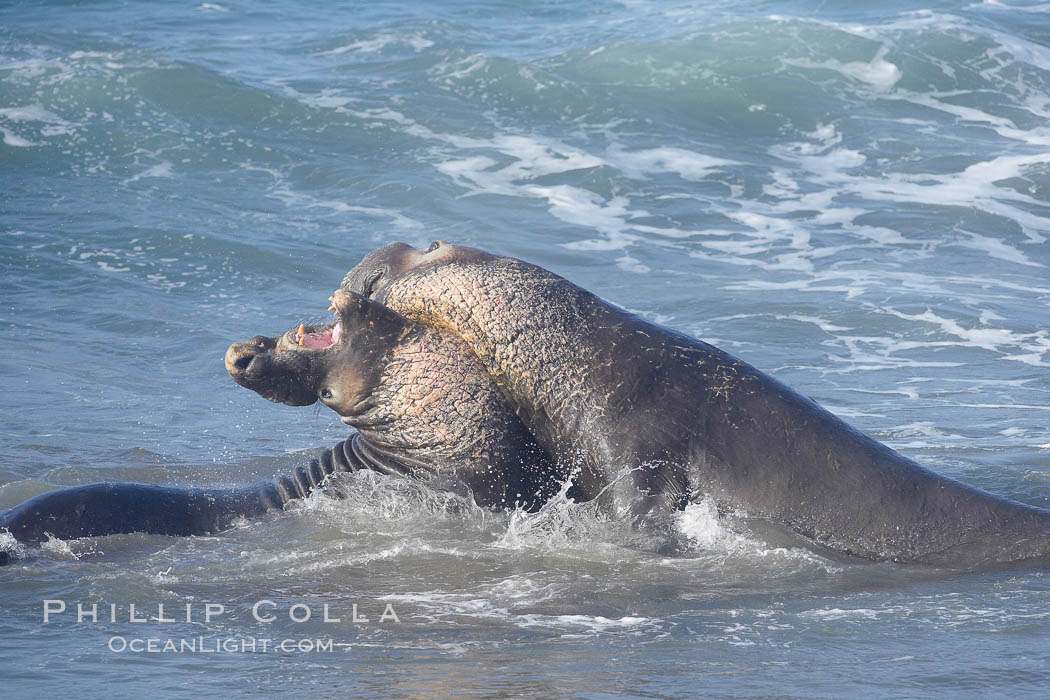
(420, 400)
(596, 383)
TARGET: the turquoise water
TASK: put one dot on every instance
(854, 200)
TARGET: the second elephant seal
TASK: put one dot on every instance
(688, 419)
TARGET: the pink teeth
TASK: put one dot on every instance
(329, 337)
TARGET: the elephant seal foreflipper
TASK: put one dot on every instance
(690, 418)
(98, 509)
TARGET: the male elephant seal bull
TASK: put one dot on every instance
(421, 402)
(688, 418)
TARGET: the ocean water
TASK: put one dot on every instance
(856, 200)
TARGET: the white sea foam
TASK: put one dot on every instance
(929, 432)
(870, 353)
(711, 535)
(995, 248)
(534, 158)
(1028, 348)
(416, 42)
(688, 164)
(339, 554)
(31, 113)
(878, 72)
(454, 69)
(46, 123)
(398, 219)
(162, 169)
(492, 603)
(1039, 9)
(327, 99)
(1012, 406)
(946, 610)
(974, 186)
(820, 323)
(283, 191)
(13, 139)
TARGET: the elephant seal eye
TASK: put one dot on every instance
(326, 393)
(434, 246)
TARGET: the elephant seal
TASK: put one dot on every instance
(689, 419)
(420, 400)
